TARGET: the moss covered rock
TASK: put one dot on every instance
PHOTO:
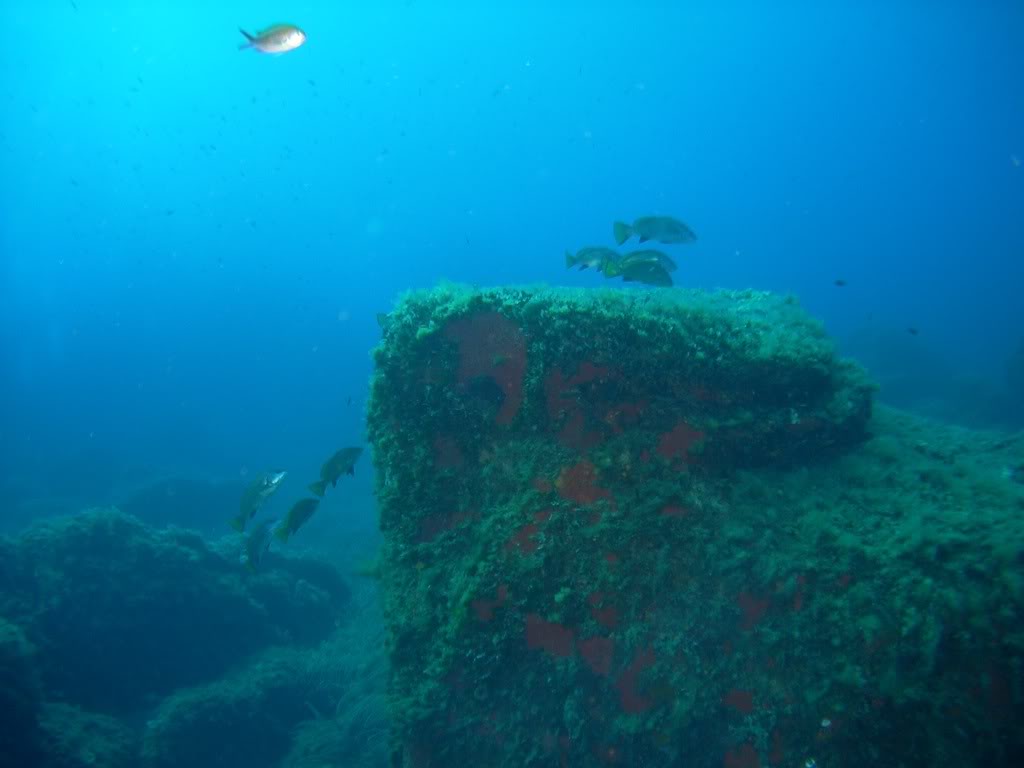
(651, 529)
(243, 719)
(19, 699)
(123, 614)
(75, 738)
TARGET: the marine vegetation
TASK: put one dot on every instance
(671, 529)
(153, 649)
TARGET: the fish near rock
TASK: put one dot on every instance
(257, 543)
(649, 256)
(663, 229)
(300, 513)
(255, 494)
(277, 38)
(591, 256)
(647, 272)
(341, 463)
(649, 266)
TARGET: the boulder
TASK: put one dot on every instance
(664, 529)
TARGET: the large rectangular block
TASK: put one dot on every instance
(600, 546)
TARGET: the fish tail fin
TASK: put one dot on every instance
(249, 40)
(238, 523)
(569, 260)
(319, 487)
(622, 232)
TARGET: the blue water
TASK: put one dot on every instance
(195, 240)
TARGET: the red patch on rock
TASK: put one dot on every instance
(433, 526)
(548, 636)
(607, 616)
(778, 753)
(598, 653)
(674, 510)
(745, 756)
(485, 608)
(629, 698)
(492, 345)
(623, 415)
(541, 485)
(705, 394)
(741, 701)
(753, 609)
(447, 453)
(574, 434)
(579, 484)
(675, 445)
(523, 540)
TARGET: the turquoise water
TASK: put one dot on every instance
(196, 239)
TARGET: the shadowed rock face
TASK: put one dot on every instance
(122, 614)
(19, 699)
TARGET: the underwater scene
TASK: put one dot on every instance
(436, 383)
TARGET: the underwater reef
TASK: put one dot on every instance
(668, 529)
(127, 645)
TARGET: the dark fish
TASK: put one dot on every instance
(664, 229)
(591, 256)
(840, 283)
(912, 331)
(257, 492)
(341, 463)
(647, 272)
(256, 545)
(649, 256)
(300, 513)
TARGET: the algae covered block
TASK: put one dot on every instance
(545, 461)
(650, 528)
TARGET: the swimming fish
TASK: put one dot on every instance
(256, 545)
(277, 38)
(591, 256)
(647, 266)
(341, 463)
(258, 491)
(647, 272)
(297, 517)
(649, 255)
(664, 229)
